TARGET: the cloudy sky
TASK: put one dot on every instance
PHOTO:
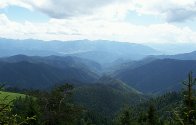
(139, 21)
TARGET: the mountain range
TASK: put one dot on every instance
(157, 76)
(85, 62)
(101, 51)
(182, 56)
(43, 72)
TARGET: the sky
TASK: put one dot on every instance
(136, 21)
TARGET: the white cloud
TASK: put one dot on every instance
(103, 19)
(83, 28)
(21, 3)
(70, 8)
(170, 10)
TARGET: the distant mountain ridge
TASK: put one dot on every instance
(182, 56)
(101, 51)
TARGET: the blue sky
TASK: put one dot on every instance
(139, 21)
(20, 14)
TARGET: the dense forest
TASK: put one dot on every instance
(58, 107)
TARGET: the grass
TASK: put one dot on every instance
(6, 97)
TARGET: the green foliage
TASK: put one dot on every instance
(6, 97)
(163, 105)
(125, 117)
(27, 107)
(106, 98)
(7, 117)
(57, 107)
(185, 114)
(95, 118)
(169, 109)
(152, 117)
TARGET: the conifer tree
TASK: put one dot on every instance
(189, 100)
(151, 115)
(126, 117)
(186, 113)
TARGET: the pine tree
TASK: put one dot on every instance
(152, 115)
(57, 107)
(189, 100)
(126, 117)
(185, 114)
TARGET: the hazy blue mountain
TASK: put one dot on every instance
(117, 67)
(173, 47)
(107, 51)
(43, 72)
(57, 61)
(182, 56)
(157, 76)
(9, 47)
(100, 51)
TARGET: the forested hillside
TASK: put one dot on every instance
(100, 104)
(42, 73)
(157, 76)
